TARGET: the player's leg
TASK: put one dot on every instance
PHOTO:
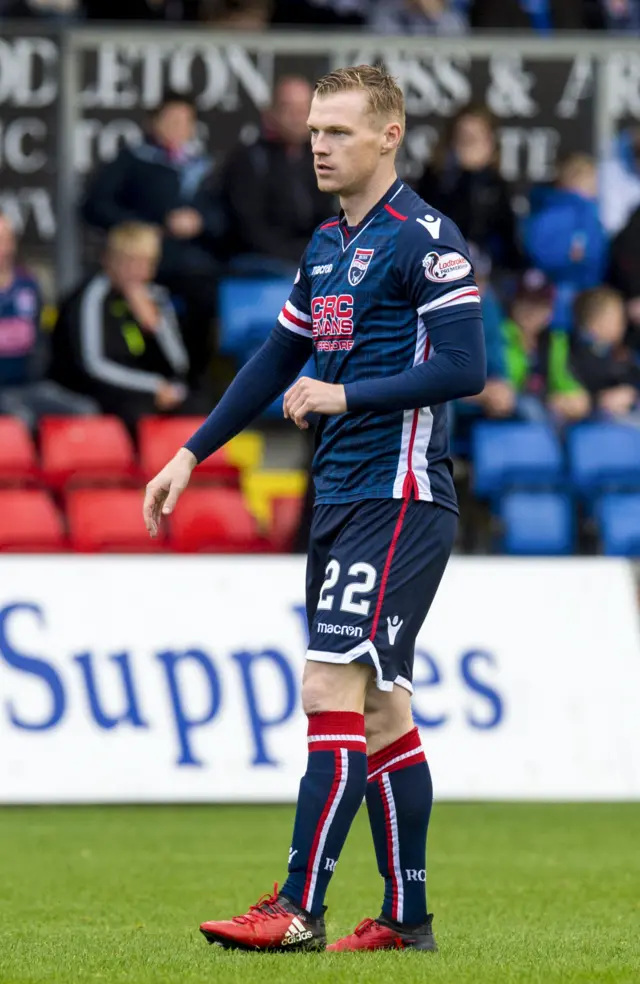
(399, 789)
(331, 791)
(333, 787)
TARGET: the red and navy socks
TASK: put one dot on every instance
(331, 793)
(399, 800)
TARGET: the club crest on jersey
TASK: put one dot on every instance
(359, 265)
(448, 266)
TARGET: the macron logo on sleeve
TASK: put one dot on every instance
(431, 224)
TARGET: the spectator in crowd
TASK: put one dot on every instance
(247, 15)
(624, 274)
(498, 398)
(165, 181)
(443, 17)
(25, 390)
(466, 185)
(117, 337)
(325, 13)
(529, 15)
(619, 184)
(537, 357)
(143, 10)
(564, 236)
(600, 360)
(613, 15)
(270, 188)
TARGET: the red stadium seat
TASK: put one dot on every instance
(30, 522)
(109, 521)
(160, 437)
(214, 520)
(86, 451)
(18, 459)
(286, 515)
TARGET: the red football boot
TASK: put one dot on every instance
(273, 923)
(378, 934)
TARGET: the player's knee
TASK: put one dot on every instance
(387, 718)
(329, 687)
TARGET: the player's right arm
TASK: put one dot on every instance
(265, 376)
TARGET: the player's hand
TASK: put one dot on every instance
(165, 489)
(311, 396)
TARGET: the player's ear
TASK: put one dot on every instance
(391, 137)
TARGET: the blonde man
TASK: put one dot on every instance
(386, 298)
(118, 338)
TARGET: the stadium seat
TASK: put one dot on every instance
(214, 520)
(537, 523)
(160, 437)
(514, 455)
(604, 456)
(619, 523)
(18, 459)
(30, 522)
(248, 310)
(285, 520)
(86, 451)
(261, 488)
(109, 521)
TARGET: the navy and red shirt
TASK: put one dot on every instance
(365, 298)
(20, 310)
(391, 311)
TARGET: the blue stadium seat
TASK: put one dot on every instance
(619, 522)
(537, 523)
(511, 454)
(248, 312)
(604, 456)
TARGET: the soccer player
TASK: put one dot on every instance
(385, 298)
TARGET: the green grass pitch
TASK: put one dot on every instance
(535, 893)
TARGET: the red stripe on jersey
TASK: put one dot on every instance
(396, 215)
(296, 321)
(328, 225)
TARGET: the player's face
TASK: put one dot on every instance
(348, 141)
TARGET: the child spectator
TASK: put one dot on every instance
(118, 338)
(600, 360)
(441, 17)
(564, 237)
(537, 357)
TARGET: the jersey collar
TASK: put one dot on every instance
(350, 233)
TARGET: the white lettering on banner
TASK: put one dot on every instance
(28, 72)
(227, 72)
(19, 142)
(622, 71)
(30, 204)
(509, 93)
(437, 84)
(579, 85)
(173, 693)
(531, 152)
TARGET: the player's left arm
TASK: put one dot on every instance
(438, 279)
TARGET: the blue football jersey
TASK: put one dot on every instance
(20, 309)
(363, 298)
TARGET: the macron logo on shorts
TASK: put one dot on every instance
(348, 630)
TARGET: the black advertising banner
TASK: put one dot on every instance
(29, 100)
(545, 108)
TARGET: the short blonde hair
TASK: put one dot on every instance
(575, 167)
(134, 237)
(591, 303)
(385, 95)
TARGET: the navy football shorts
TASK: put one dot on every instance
(372, 573)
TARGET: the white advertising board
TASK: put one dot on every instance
(175, 679)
